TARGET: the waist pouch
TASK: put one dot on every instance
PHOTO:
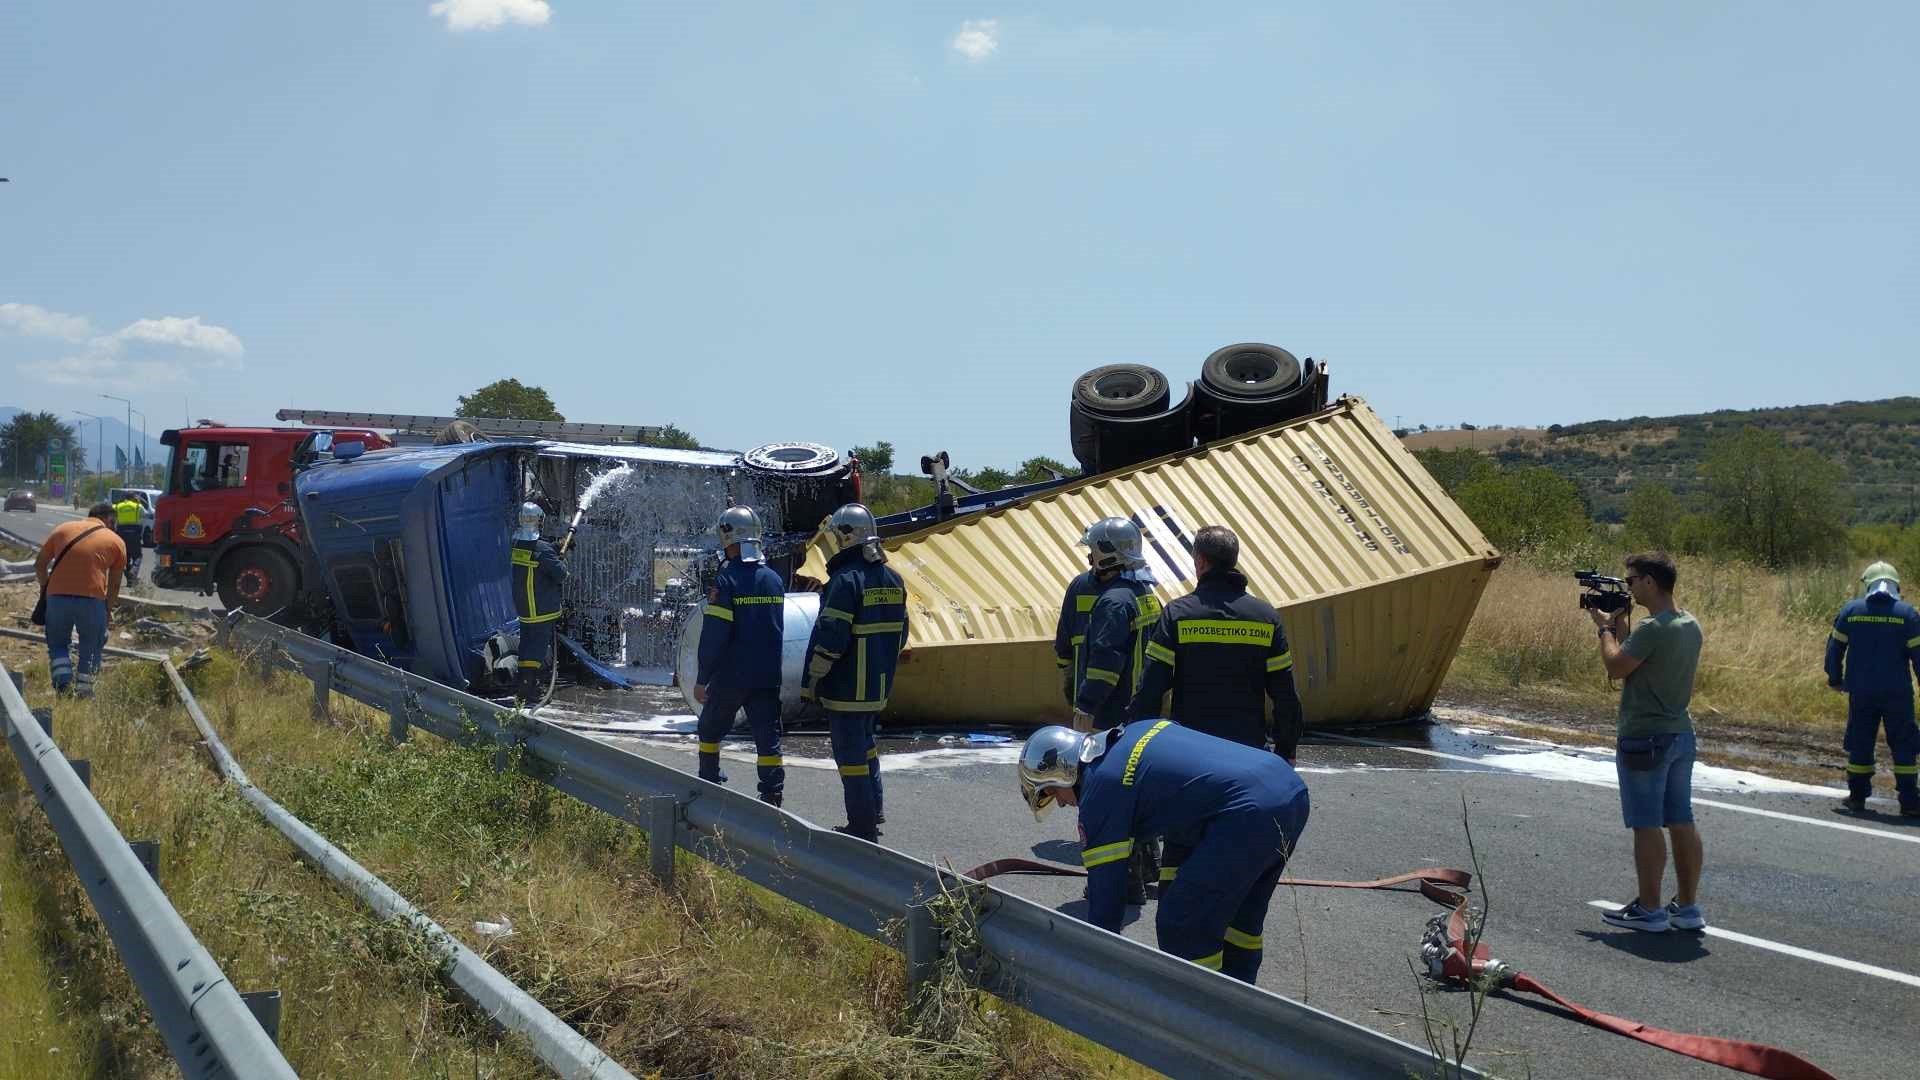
(1640, 753)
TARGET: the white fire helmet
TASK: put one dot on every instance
(531, 517)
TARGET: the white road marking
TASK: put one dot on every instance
(1911, 838)
(1791, 950)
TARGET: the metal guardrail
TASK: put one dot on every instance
(207, 1027)
(1158, 1010)
(563, 1049)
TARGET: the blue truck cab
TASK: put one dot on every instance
(413, 547)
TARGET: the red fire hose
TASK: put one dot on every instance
(1446, 950)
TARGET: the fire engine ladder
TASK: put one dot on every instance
(427, 426)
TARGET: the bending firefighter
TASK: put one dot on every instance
(851, 659)
(740, 643)
(1873, 655)
(1246, 807)
(538, 577)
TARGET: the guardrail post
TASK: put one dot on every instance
(148, 852)
(322, 677)
(398, 712)
(19, 683)
(922, 950)
(84, 769)
(265, 1007)
(45, 716)
(662, 814)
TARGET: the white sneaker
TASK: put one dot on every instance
(1635, 917)
(1685, 916)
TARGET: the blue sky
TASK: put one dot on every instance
(920, 222)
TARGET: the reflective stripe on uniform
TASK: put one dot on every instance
(872, 752)
(1168, 873)
(1906, 770)
(1149, 606)
(878, 627)
(836, 613)
(1212, 963)
(770, 761)
(1160, 652)
(855, 770)
(1913, 643)
(1226, 632)
(1084, 602)
(531, 664)
(1240, 940)
(1062, 661)
(709, 747)
(883, 596)
(1281, 662)
(1842, 638)
(1103, 675)
(854, 706)
(1859, 770)
(1106, 853)
(719, 612)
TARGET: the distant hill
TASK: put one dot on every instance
(1877, 441)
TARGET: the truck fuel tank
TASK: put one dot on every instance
(802, 609)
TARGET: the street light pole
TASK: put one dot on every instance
(126, 471)
(142, 446)
(99, 436)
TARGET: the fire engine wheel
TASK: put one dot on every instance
(256, 580)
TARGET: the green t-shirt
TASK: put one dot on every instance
(1653, 701)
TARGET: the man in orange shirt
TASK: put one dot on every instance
(80, 567)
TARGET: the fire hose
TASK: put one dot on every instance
(1452, 955)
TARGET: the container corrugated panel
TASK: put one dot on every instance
(1374, 569)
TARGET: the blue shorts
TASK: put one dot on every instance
(1660, 795)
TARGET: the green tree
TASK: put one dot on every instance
(507, 399)
(1456, 469)
(1036, 469)
(987, 479)
(875, 460)
(671, 437)
(1525, 509)
(25, 438)
(1653, 513)
(1774, 503)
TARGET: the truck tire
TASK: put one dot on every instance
(1121, 390)
(258, 580)
(1250, 371)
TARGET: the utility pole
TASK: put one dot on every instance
(127, 470)
(141, 449)
(99, 439)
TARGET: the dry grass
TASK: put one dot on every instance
(1486, 438)
(721, 979)
(1760, 667)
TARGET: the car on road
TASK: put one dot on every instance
(22, 499)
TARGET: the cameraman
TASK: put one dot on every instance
(1655, 748)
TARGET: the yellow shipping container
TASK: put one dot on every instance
(1375, 571)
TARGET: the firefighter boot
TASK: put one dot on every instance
(1859, 789)
(1907, 783)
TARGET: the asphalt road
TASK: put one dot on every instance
(39, 525)
(1782, 870)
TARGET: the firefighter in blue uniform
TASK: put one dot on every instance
(740, 644)
(851, 658)
(1247, 807)
(538, 578)
(1873, 655)
(1222, 652)
(1101, 641)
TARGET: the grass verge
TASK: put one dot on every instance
(719, 979)
(1760, 667)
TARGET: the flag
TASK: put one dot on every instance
(119, 458)
(139, 459)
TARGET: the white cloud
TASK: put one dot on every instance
(169, 349)
(36, 321)
(977, 39)
(491, 14)
(186, 332)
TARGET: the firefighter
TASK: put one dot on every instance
(1873, 655)
(1223, 652)
(740, 645)
(126, 516)
(1247, 807)
(538, 577)
(1099, 644)
(851, 658)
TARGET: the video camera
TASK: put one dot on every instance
(1608, 594)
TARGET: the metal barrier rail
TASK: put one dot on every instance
(564, 1050)
(1099, 985)
(207, 1027)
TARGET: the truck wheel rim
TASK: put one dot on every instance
(253, 584)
